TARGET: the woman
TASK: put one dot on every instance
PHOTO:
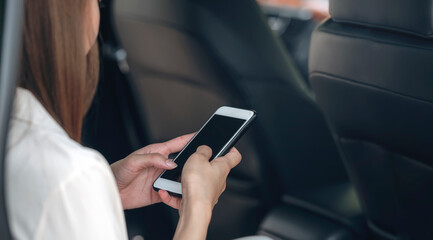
(58, 189)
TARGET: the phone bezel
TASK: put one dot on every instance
(247, 115)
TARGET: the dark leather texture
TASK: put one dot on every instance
(379, 81)
(291, 222)
(189, 57)
(375, 88)
(193, 56)
(393, 188)
(414, 17)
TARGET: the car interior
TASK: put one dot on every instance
(342, 145)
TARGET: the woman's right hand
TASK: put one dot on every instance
(202, 184)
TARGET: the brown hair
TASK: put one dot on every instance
(55, 67)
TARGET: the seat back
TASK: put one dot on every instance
(371, 70)
(188, 57)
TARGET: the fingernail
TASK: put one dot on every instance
(171, 164)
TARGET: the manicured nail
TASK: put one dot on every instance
(171, 164)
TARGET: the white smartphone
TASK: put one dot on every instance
(220, 133)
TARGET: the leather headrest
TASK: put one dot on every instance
(409, 16)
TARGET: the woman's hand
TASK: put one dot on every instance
(136, 173)
(202, 184)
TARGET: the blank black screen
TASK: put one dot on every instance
(215, 134)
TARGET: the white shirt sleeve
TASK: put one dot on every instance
(84, 206)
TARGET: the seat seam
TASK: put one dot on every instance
(320, 211)
(322, 29)
(428, 35)
(407, 158)
(366, 85)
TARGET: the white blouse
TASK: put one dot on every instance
(56, 188)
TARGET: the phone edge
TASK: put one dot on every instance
(223, 151)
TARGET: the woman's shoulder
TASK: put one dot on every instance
(36, 142)
(40, 154)
(47, 170)
(49, 154)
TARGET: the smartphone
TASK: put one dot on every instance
(220, 133)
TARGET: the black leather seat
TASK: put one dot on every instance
(371, 67)
(188, 57)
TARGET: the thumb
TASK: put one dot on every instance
(204, 152)
(229, 161)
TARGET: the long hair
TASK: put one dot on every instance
(54, 65)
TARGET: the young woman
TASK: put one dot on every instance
(58, 189)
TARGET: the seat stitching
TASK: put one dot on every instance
(366, 85)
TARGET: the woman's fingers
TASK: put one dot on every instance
(142, 161)
(167, 148)
(169, 200)
(229, 161)
(177, 144)
(234, 157)
(203, 151)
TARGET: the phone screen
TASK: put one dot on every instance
(215, 134)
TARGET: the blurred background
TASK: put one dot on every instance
(341, 148)
(169, 64)
(294, 21)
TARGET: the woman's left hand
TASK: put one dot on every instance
(136, 173)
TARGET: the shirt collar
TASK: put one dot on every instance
(28, 109)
